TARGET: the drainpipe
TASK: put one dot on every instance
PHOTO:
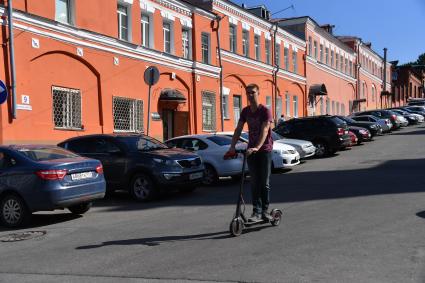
(358, 89)
(275, 71)
(218, 19)
(12, 58)
(385, 76)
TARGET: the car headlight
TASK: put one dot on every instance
(284, 152)
(363, 132)
(373, 126)
(167, 162)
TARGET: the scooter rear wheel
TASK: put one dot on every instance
(277, 216)
(236, 227)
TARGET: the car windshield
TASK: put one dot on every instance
(46, 153)
(143, 143)
(337, 120)
(347, 119)
(220, 140)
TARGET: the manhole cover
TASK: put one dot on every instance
(15, 237)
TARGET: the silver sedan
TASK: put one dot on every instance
(211, 148)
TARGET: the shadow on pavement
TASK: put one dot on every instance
(40, 220)
(387, 177)
(156, 241)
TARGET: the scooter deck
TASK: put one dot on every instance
(252, 223)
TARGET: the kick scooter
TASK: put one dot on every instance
(239, 221)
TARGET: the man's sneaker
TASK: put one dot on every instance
(255, 217)
(266, 216)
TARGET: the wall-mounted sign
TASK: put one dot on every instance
(155, 116)
(3, 92)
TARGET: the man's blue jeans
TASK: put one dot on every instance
(259, 165)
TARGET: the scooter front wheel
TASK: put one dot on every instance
(236, 227)
(277, 216)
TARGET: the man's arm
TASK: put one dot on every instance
(236, 135)
(265, 126)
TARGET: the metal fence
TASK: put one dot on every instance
(66, 108)
(128, 115)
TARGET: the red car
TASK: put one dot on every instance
(353, 138)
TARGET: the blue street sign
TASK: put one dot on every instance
(3, 92)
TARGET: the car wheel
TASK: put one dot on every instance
(210, 175)
(80, 208)
(321, 149)
(14, 212)
(142, 188)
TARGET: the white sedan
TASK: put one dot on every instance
(304, 148)
(211, 148)
(283, 155)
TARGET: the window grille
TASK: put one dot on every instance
(128, 115)
(66, 108)
(208, 111)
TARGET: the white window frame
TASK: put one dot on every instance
(208, 36)
(171, 41)
(245, 43)
(269, 102)
(226, 106)
(257, 47)
(233, 43)
(189, 43)
(310, 47)
(277, 54)
(295, 61)
(70, 12)
(286, 58)
(288, 104)
(268, 51)
(128, 15)
(295, 102)
(150, 30)
(315, 49)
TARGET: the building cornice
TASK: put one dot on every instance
(371, 76)
(83, 38)
(225, 7)
(260, 66)
(329, 70)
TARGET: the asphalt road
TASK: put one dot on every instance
(358, 216)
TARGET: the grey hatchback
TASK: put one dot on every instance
(45, 177)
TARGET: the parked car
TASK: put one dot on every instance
(140, 164)
(354, 139)
(380, 113)
(361, 133)
(304, 148)
(412, 118)
(373, 127)
(385, 124)
(283, 154)
(211, 148)
(44, 177)
(327, 133)
(416, 109)
(412, 111)
(416, 102)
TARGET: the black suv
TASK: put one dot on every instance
(327, 133)
(140, 164)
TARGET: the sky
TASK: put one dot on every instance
(397, 25)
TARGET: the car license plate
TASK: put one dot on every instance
(81, 176)
(195, 176)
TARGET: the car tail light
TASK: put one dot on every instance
(51, 174)
(340, 131)
(99, 169)
(394, 116)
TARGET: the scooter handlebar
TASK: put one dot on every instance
(234, 154)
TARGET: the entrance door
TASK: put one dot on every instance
(167, 124)
(237, 105)
(181, 120)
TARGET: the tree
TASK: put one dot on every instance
(421, 59)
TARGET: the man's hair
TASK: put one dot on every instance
(253, 86)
